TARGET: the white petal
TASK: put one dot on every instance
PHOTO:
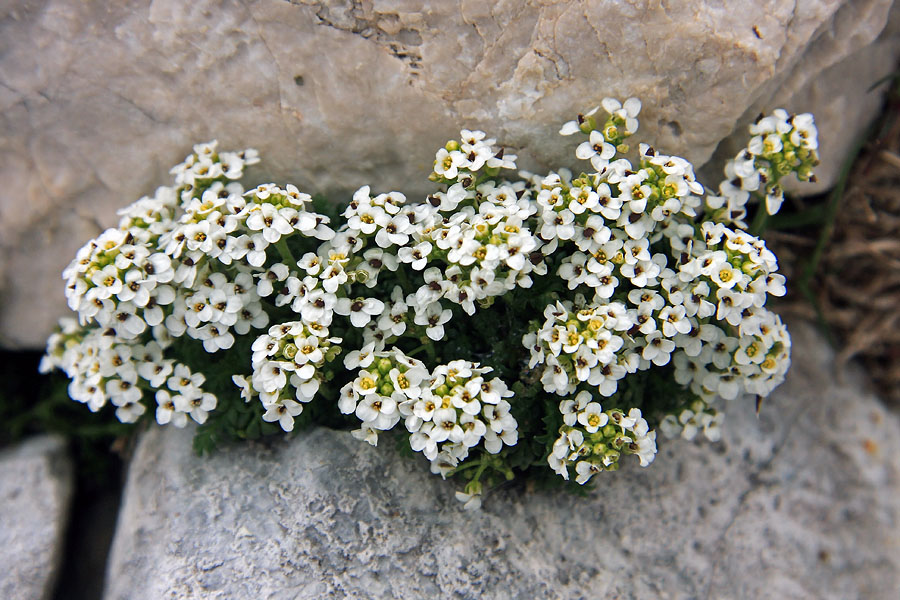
(584, 151)
(569, 128)
(632, 107)
(610, 105)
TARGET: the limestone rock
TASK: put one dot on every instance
(35, 489)
(98, 100)
(802, 502)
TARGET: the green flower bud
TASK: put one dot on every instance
(289, 351)
(473, 487)
(749, 267)
(386, 389)
(783, 168)
(488, 302)
(451, 146)
(610, 132)
(588, 124)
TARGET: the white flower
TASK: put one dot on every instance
(446, 426)
(166, 412)
(597, 150)
(627, 111)
(272, 376)
(592, 417)
(107, 281)
(247, 391)
(417, 256)
(471, 501)
(366, 434)
(360, 310)
(447, 164)
(198, 406)
(673, 321)
(572, 127)
(269, 220)
(422, 441)
(804, 133)
(130, 412)
(558, 224)
(657, 349)
(378, 412)
(284, 412)
(434, 316)
(585, 470)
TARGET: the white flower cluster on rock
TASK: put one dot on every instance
(643, 282)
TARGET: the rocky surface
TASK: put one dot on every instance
(802, 502)
(98, 100)
(36, 486)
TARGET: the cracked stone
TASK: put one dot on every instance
(801, 502)
(36, 486)
(98, 101)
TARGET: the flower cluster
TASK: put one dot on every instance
(447, 411)
(698, 417)
(592, 440)
(781, 144)
(285, 365)
(643, 283)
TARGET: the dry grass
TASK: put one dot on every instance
(855, 288)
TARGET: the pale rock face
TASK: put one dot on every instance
(36, 485)
(99, 100)
(802, 502)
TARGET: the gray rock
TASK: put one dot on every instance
(802, 502)
(36, 485)
(98, 100)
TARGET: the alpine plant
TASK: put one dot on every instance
(509, 322)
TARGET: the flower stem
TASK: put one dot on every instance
(759, 221)
(401, 275)
(285, 252)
